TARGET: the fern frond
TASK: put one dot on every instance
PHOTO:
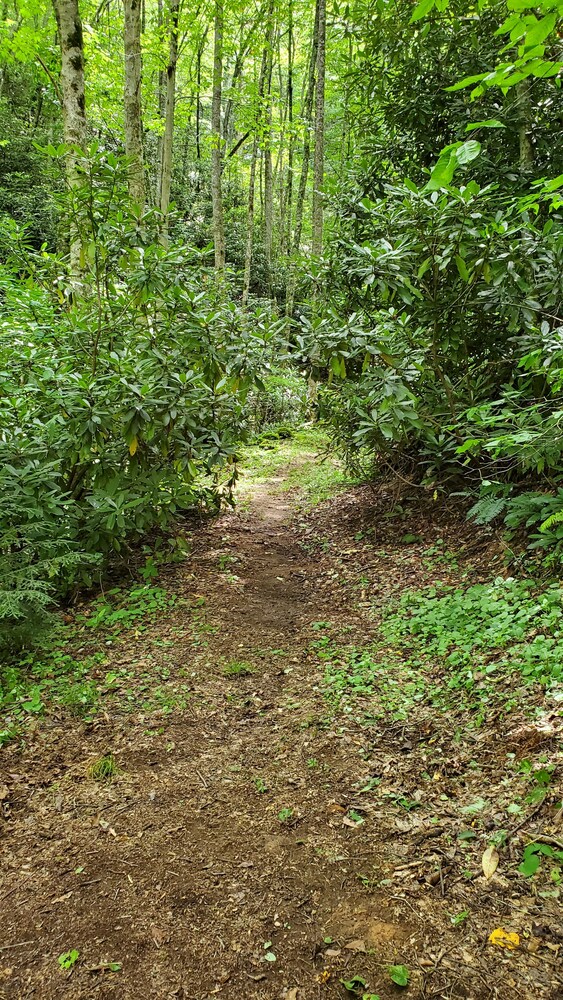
(486, 509)
(553, 519)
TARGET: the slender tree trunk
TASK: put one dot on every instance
(132, 101)
(524, 106)
(168, 140)
(216, 135)
(288, 200)
(200, 49)
(250, 223)
(252, 180)
(318, 165)
(268, 169)
(306, 155)
(74, 106)
(235, 79)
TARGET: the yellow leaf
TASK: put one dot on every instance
(133, 446)
(490, 861)
(504, 939)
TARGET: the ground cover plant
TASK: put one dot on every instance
(283, 692)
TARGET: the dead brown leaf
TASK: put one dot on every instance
(357, 945)
(159, 936)
(490, 861)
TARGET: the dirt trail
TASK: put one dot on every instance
(226, 859)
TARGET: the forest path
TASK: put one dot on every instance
(262, 840)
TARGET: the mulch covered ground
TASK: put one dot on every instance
(227, 857)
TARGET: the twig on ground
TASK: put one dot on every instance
(18, 944)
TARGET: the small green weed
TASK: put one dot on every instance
(225, 560)
(399, 974)
(68, 959)
(104, 769)
(285, 815)
(534, 854)
(238, 668)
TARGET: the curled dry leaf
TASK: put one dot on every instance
(490, 861)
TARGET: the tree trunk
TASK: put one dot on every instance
(288, 201)
(252, 181)
(306, 155)
(199, 57)
(216, 136)
(524, 107)
(168, 140)
(74, 106)
(250, 224)
(268, 170)
(318, 165)
(132, 101)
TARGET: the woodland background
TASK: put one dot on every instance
(206, 209)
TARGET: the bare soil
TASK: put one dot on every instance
(181, 869)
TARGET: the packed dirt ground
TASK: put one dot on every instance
(256, 837)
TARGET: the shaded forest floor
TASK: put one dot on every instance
(268, 799)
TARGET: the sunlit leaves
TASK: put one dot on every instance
(458, 154)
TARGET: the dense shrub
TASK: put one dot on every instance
(122, 394)
(442, 344)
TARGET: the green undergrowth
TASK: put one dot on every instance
(506, 624)
(479, 649)
(304, 458)
(70, 673)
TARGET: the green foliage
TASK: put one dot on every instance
(285, 815)
(119, 610)
(534, 854)
(52, 677)
(281, 399)
(238, 669)
(122, 402)
(508, 623)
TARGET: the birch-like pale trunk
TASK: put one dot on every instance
(318, 163)
(168, 139)
(132, 101)
(74, 107)
(216, 138)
